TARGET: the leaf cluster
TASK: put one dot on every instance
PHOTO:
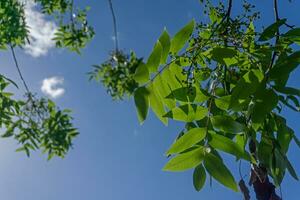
(228, 84)
(117, 74)
(36, 123)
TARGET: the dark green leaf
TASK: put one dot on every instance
(286, 66)
(227, 124)
(246, 86)
(199, 177)
(271, 30)
(141, 99)
(291, 169)
(224, 56)
(266, 100)
(288, 90)
(219, 171)
(296, 140)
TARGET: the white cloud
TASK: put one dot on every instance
(41, 31)
(49, 86)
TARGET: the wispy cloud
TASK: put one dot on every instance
(41, 31)
(49, 86)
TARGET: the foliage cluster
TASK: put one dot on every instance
(227, 82)
(38, 123)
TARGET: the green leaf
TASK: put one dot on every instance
(141, 99)
(245, 87)
(227, 124)
(154, 58)
(199, 177)
(223, 55)
(271, 30)
(142, 74)
(265, 101)
(188, 94)
(166, 44)
(174, 76)
(216, 168)
(223, 102)
(265, 151)
(156, 104)
(241, 140)
(190, 138)
(181, 38)
(187, 113)
(288, 90)
(297, 141)
(186, 160)
(285, 66)
(293, 35)
(214, 16)
(163, 89)
(227, 145)
(291, 169)
(284, 136)
(278, 166)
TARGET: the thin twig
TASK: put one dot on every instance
(226, 88)
(114, 25)
(240, 169)
(72, 15)
(19, 70)
(28, 92)
(276, 13)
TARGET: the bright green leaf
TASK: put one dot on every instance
(188, 94)
(187, 113)
(186, 160)
(154, 58)
(181, 38)
(223, 102)
(163, 89)
(156, 104)
(190, 138)
(166, 44)
(227, 145)
(142, 74)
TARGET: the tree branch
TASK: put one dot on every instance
(114, 25)
(276, 13)
(19, 70)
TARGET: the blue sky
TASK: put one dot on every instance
(114, 157)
